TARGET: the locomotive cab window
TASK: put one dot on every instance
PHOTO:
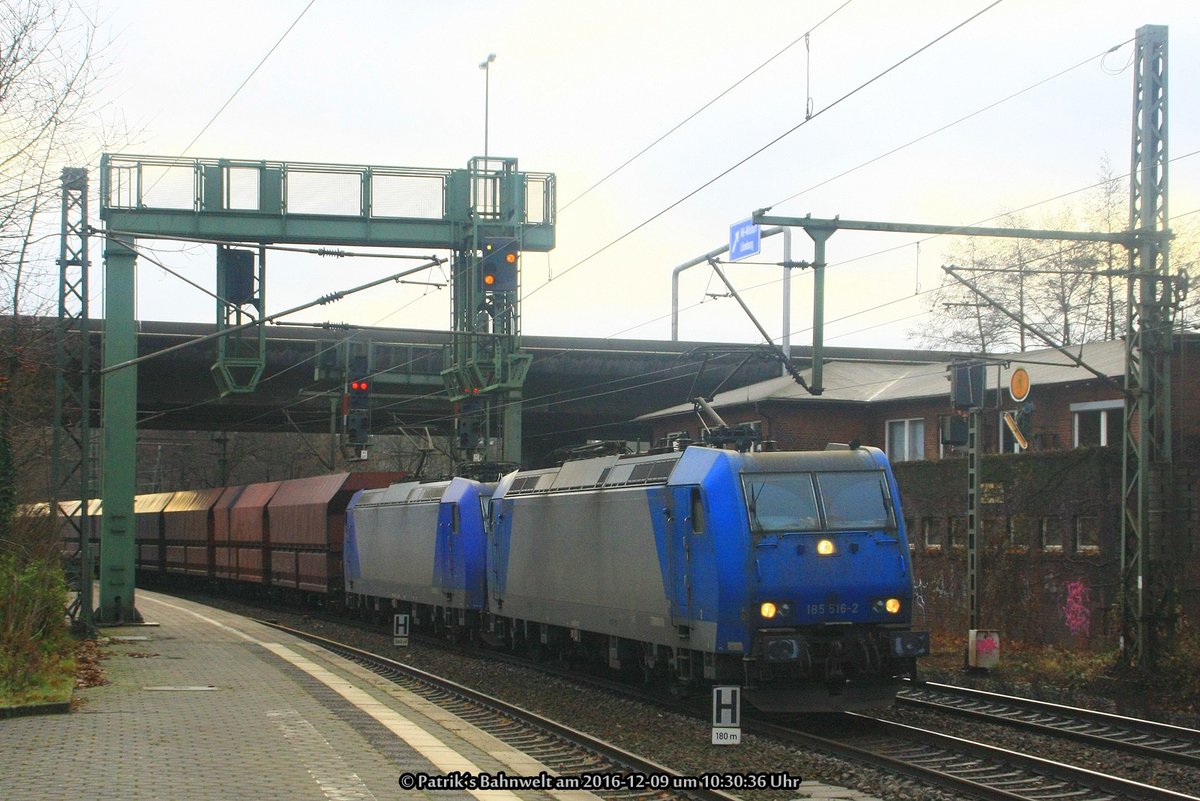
(779, 502)
(793, 502)
(855, 500)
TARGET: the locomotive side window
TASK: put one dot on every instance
(781, 502)
(697, 512)
(855, 500)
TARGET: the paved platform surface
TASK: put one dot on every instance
(213, 706)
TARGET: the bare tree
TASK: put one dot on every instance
(47, 78)
(1108, 210)
(1073, 291)
(1185, 258)
(959, 319)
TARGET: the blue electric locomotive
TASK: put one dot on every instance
(787, 573)
(420, 544)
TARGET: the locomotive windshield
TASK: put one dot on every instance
(785, 502)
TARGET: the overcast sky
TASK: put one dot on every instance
(578, 88)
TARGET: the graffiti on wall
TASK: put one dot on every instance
(1077, 609)
(924, 590)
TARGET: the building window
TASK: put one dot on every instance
(958, 532)
(994, 532)
(1018, 534)
(952, 434)
(1098, 423)
(906, 440)
(931, 528)
(1051, 535)
(1087, 534)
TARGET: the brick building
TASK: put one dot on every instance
(900, 406)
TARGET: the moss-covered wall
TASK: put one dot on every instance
(1050, 559)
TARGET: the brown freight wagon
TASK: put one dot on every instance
(224, 554)
(152, 558)
(249, 532)
(307, 519)
(188, 524)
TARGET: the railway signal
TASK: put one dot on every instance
(360, 394)
(358, 412)
(498, 267)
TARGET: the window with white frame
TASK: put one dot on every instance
(1018, 534)
(957, 530)
(1087, 534)
(1097, 423)
(932, 533)
(906, 440)
(1051, 534)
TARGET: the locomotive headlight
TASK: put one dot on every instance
(826, 548)
(889, 605)
(768, 610)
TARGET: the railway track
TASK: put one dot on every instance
(602, 768)
(1145, 738)
(968, 768)
(961, 766)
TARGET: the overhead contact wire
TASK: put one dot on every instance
(697, 112)
(770, 144)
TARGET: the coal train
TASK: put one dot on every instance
(787, 573)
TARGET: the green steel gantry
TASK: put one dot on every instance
(261, 203)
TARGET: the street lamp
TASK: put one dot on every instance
(486, 90)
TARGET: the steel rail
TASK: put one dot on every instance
(1146, 738)
(1046, 778)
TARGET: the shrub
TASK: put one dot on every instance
(34, 636)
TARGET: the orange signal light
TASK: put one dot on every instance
(511, 258)
(489, 279)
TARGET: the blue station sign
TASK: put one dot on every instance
(745, 239)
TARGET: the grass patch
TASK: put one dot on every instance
(53, 684)
(37, 662)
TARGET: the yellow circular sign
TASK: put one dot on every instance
(1018, 384)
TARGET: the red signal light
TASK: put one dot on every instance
(359, 386)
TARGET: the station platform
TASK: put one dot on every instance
(209, 706)
(214, 706)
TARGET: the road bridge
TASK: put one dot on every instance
(578, 388)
